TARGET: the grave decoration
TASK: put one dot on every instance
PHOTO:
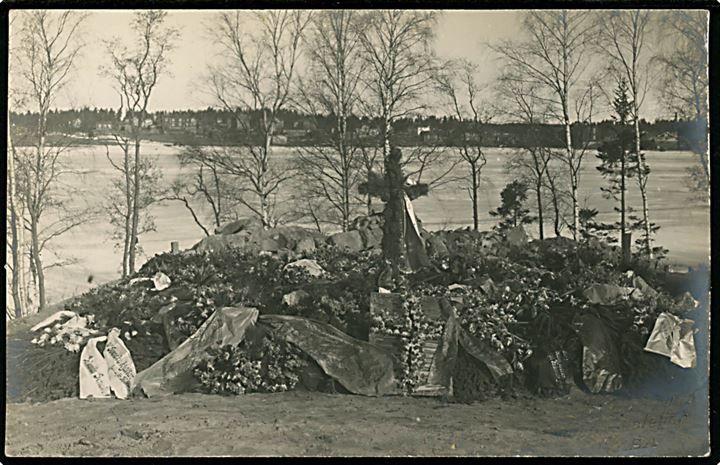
(486, 317)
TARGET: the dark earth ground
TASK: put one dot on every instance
(314, 424)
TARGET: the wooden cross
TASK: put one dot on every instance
(400, 235)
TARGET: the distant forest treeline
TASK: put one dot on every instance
(295, 128)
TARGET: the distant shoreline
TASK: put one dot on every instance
(73, 141)
(188, 140)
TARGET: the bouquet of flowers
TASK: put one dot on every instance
(72, 335)
(274, 366)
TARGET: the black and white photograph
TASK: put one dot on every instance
(378, 232)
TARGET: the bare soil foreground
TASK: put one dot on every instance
(302, 423)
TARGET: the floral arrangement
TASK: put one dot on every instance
(490, 320)
(242, 369)
(537, 290)
(68, 335)
(412, 327)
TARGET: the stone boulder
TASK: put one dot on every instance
(350, 241)
(283, 239)
(305, 245)
(221, 242)
(436, 245)
(374, 221)
(295, 298)
(242, 224)
(310, 266)
(371, 238)
(371, 230)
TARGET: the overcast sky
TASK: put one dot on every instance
(459, 34)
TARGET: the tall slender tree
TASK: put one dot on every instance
(616, 161)
(458, 83)
(623, 38)
(531, 162)
(205, 184)
(554, 54)
(15, 215)
(255, 84)
(399, 67)
(135, 72)
(684, 79)
(16, 231)
(50, 43)
(398, 64)
(331, 168)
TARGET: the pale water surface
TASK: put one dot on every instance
(684, 221)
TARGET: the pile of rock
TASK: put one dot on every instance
(365, 233)
(455, 242)
(248, 234)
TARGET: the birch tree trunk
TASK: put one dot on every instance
(475, 188)
(642, 175)
(386, 128)
(15, 231)
(538, 192)
(35, 213)
(135, 208)
(573, 172)
(345, 161)
(37, 261)
(264, 205)
(128, 211)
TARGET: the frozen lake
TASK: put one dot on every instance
(685, 222)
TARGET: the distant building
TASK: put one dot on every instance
(279, 139)
(367, 131)
(422, 130)
(305, 124)
(296, 133)
(429, 137)
(505, 139)
(473, 136)
(226, 122)
(667, 141)
(179, 121)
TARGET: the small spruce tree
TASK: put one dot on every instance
(512, 211)
(617, 164)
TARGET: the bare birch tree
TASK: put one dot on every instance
(623, 38)
(429, 164)
(15, 215)
(255, 84)
(556, 185)
(684, 79)
(369, 159)
(135, 73)
(330, 169)
(49, 44)
(121, 201)
(554, 55)
(17, 242)
(208, 185)
(459, 84)
(532, 161)
(398, 64)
